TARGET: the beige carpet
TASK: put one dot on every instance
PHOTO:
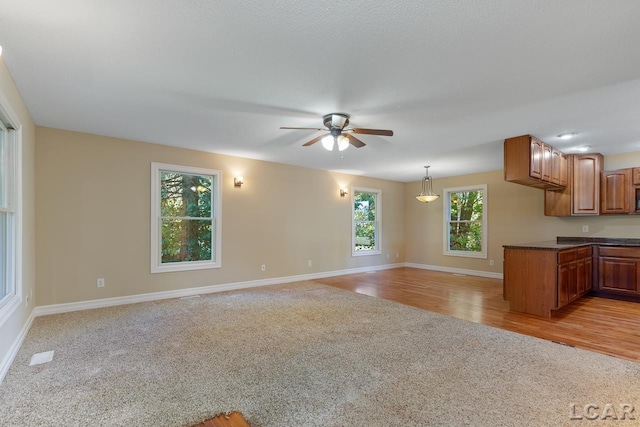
(301, 355)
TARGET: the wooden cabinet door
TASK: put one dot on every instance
(585, 197)
(614, 191)
(556, 166)
(588, 278)
(581, 273)
(619, 275)
(572, 286)
(563, 285)
(564, 170)
(547, 163)
(536, 158)
(636, 176)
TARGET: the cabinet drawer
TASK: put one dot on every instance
(584, 252)
(619, 251)
(567, 256)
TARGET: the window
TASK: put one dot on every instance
(185, 218)
(367, 218)
(465, 221)
(8, 189)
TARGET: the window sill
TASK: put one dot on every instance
(366, 253)
(466, 254)
(169, 268)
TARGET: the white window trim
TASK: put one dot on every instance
(156, 252)
(11, 304)
(377, 251)
(446, 211)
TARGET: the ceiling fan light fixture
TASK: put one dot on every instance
(427, 195)
(327, 142)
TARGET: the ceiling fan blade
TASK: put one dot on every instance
(354, 141)
(313, 141)
(373, 131)
(287, 127)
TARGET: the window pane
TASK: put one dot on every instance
(4, 286)
(185, 195)
(365, 236)
(466, 206)
(364, 206)
(465, 236)
(186, 240)
(3, 166)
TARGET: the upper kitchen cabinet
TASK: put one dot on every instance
(635, 191)
(529, 161)
(582, 195)
(615, 189)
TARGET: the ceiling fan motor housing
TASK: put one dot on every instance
(336, 121)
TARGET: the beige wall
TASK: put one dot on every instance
(93, 195)
(93, 218)
(10, 329)
(515, 215)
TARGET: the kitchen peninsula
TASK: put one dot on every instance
(542, 277)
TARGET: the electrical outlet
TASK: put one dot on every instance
(264, 267)
(397, 254)
(490, 262)
(100, 282)
(27, 300)
(309, 263)
(585, 228)
(388, 256)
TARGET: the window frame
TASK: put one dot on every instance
(378, 221)
(156, 223)
(447, 221)
(13, 191)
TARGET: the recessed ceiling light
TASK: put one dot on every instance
(583, 149)
(566, 135)
(0, 50)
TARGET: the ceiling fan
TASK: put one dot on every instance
(339, 134)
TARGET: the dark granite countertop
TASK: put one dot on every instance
(550, 245)
(617, 241)
(562, 242)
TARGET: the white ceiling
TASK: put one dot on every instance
(451, 78)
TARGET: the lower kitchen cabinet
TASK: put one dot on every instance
(619, 270)
(539, 281)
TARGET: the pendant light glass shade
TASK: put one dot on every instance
(427, 195)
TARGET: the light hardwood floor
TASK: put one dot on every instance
(603, 325)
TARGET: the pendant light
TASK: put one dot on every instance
(427, 195)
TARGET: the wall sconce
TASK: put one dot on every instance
(238, 181)
(343, 192)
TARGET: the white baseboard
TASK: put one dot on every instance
(17, 343)
(178, 293)
(456, 270)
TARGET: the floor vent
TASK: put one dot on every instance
(44, 357)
